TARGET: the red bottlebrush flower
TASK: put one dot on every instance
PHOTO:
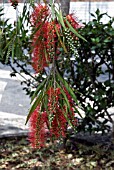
(73, 21)
(52, 122)
(52, 39)
(14, 3)
(40, 14)
(44, 42)
(39, 122)
(44, 38)
(38, 20)
(58, 123)
(38, 128)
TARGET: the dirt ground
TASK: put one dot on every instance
(16, 153)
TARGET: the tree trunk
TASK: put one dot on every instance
(65, 6)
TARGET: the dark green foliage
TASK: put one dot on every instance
(94, 75)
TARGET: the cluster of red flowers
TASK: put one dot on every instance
(38, 18)
(52, 122)
(58, 123)
(14, 3)
(38, 128)
(44, 38)
(73, 21)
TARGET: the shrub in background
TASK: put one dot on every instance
(94, 74)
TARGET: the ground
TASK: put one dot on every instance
(16, 153)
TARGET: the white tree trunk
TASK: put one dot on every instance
(65, 5)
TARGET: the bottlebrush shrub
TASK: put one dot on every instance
(51, 120)
(54, 103)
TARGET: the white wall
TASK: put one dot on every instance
(81, 10)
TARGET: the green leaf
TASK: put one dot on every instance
(60, 18)
(74, 31)
(40, 86)
(62, 44)
(66, 116)
(35, 104)
(97, 11)
(64, 95)
(66, 102)
(8, 52)
(9, 43)
(69, 89)
(1, 9)
(52, 9)
(1, 14)
(92, 15)
(19, 25)
(13, 52)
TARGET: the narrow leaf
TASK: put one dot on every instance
(40, 86)
(68, 88)
(60, 18)
(33, 107)
(65, 97)
(13, 52)
(74, 31)
(62, 44)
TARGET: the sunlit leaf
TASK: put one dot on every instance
(60, 18)
(34, 105)
(40, 86)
